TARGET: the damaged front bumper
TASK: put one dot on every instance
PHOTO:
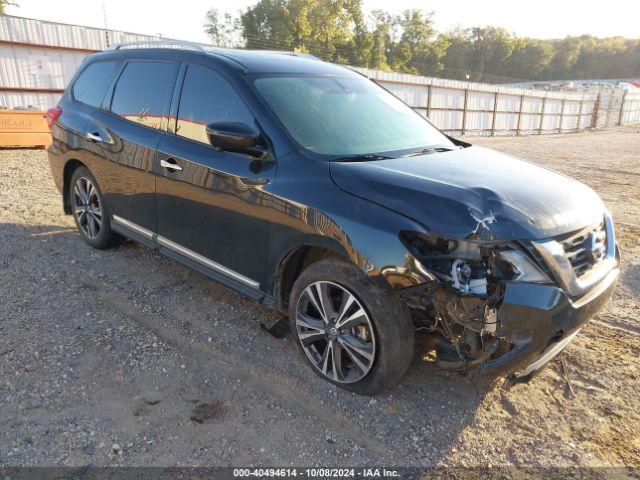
(540, 320)
(509, 308)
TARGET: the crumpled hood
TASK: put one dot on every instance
(474, 192)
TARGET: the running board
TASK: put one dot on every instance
(238, 282)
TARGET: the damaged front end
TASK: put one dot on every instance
(508, 307)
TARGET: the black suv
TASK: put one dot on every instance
(309, 188)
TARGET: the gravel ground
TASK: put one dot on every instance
(123, 357)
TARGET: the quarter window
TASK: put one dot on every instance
(207, 98)
(93, 82)
(142, 91)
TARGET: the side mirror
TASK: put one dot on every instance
(236, 137)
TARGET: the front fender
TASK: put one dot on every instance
(366, 234)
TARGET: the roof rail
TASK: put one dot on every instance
(158, 44)
(301, 54)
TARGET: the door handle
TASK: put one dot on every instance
(170, 164)
(94, 137)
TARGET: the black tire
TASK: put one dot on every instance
(393, 334)
(104, 236)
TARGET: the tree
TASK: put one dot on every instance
(565, 56)
(335, 30)
(223, 30)
(481, 53)
(6, 3)
(613, 57)
(382, 40)
(529, 59)
(490, 48)
(331, 29)
(425, 53)
(363, 40)
(458, 50)
(267, 25)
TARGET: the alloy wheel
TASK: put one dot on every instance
(87, 207)
(335, 332)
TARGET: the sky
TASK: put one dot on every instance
(183, 20)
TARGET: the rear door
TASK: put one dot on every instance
(212, 209)
(126, 132)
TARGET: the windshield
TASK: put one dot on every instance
(343, 116)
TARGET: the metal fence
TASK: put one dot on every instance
(467, 108)
(615, 107)
(38, 58)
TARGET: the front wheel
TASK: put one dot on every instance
(352, 333)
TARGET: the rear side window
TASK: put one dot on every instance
(142, 91)
(208, 98)
(93, 82)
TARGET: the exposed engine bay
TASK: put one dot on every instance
(458, 315)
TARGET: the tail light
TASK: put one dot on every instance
(52, 115)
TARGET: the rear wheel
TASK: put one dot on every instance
(352, 333)
(88, 209)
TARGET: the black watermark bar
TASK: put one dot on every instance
(91, 472)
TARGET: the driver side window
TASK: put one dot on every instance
(207, 98)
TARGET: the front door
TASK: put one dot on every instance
(212, 210)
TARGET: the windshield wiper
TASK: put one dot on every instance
(361, 158)
(433, 149)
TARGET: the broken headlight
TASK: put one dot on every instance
(456, 262)
(468, 266)
(523, 268)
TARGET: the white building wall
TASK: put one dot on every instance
(41, 32)
(18, 66)
(43, 56)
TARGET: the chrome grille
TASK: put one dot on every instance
(586, 249)
(580, 260)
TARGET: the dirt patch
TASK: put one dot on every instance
(208, 412)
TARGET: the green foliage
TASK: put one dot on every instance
(336, 30)
(529, 58)
(223, 30)
(6, 3)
